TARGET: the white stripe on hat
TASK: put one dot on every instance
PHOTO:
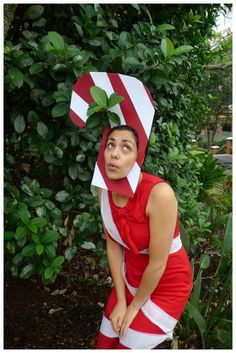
(133, 176)
(140, 100)
(102, 80)
(98, 178)
(79, 106)
(108, 219)
(142, 340)
(106, 328)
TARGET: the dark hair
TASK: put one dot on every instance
(125, 128)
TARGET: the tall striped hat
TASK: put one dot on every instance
(136, 110)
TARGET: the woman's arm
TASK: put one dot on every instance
(115, 260)
(162, 212)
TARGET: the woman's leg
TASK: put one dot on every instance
(108, 338)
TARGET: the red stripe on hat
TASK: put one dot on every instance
(82, 87)
(149, 95)
(76, 119)
(129, 112)
(121, 186)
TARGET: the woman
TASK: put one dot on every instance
(150, 269)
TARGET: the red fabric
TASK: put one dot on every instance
(105, 342)
(173, 289)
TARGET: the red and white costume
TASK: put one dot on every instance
(129, 227)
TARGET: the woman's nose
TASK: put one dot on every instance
(115, 152)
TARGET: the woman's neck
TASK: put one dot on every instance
(120, 199)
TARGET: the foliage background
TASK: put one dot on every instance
(50, 208)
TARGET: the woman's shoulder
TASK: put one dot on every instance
(151, 179)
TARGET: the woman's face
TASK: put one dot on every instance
(120, 154)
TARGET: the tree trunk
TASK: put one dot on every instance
(9, 11)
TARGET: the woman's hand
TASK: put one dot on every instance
(117, 316)
(130, 314)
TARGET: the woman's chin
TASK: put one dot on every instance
(115, 176)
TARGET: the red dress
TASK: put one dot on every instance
(129, 227)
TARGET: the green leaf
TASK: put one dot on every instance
(9, 235)
(42, 129)
(45, 192)
(160, 77)
(60, 109)
(39, 221)
(227, 242)
(41, 211)
(24, 216)
(164, 27)
(34, 11)
(199, 320)
(58, 261)
(19, 124)
(50, 250)
(79, 29)
(130, 60)
(204, 261)
(99, 96)
(94, 109)
(48, 273)
(28, 271)
(56, 40)
(94, 121)
(62, 196)
(73, 172)
(39, 249)
(35, 201)
(88, 245)
(28, 250)
(49, 204)
(114, 118)
(49, 237)
(182, 49)
(167, 47)
(195, 295)
(114, 99)
(35, 239)
(20, 232)
(95, 42)
(85, 176)
(70, 252)
(40, 22)
(16, 77)
(17, 259)
(33, 228)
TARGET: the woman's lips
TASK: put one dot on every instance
(112, 167)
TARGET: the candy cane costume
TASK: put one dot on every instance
(128, 226)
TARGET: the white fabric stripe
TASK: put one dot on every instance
(78, 102)
(158, 316)
(98, 179)
(133, 176)
(152, 311)
(175, 246)
(140, 100)
(101, 80)
(106, 328)
(141, 340)
(108, 220)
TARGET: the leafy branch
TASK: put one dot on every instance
(98, 111)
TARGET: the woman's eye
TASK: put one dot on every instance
(110, 145)
(126, 148)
